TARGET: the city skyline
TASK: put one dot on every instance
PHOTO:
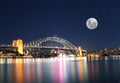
(31, 20)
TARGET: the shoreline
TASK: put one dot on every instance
(25, 57)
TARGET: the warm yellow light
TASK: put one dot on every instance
(20, 46)
(80, 51)
(14, 43)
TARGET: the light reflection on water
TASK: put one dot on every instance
(36, 70)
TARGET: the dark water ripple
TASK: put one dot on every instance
(31, 70)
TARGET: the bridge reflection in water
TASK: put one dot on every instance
(31, 70)
(42, 70)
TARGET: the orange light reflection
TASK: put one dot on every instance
(19, 71)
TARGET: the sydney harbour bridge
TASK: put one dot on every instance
(54, 44)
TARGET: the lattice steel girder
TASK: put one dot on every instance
(62, 41)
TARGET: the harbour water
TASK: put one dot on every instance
(54, 70)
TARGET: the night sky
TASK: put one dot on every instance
(31, 20)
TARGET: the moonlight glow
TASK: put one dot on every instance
(91, 23)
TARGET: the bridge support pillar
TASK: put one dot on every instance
(19, 44)
(80, 51)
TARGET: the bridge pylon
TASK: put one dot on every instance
(79, 51)
(19, 44)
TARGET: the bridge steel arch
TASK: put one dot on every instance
(37, 43)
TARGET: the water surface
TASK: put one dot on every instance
(37, 70)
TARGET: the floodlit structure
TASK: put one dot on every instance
(56, 43)
(19, 44)
(14, 43)
(79, 51)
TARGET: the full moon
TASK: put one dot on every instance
(91, 23)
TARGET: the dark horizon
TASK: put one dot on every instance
(31, 20)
